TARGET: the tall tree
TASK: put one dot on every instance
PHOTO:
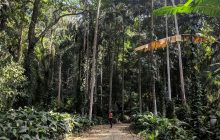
(168, 58)
(139, 85)
(180, 60)
(123, 74)
(93, 76)
(139, 63)
(110, 78)
(32, 40)
(101, 87)
(59, 81)
(153, 62)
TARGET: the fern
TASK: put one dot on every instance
(207, 7)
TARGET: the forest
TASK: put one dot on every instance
(66, 64)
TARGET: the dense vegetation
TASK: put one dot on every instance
(63, 57)
(155, 127)
(34, 125)
(31, 124)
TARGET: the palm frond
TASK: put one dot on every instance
(170, 10)
(207, 7)
(209, 10)
(188, 3)
(207, 2)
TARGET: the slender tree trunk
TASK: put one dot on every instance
(88, 68)
(117, 58)
(85, 68)
(180, 60)
(168, 60)
(94, 61)
(59, 82)
(95, 89)
(139, 65)
(50, 69)
(87, 71)
(20, 39)
(84, 39)
(52, 64)
(130, 100)
(154, 98)
(110, 79)
(78, 77)
(139, 85)
(153, 61)
(123, 77)
(20, 43)
(164, 93)
(101, 90)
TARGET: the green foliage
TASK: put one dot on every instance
(192, 126)
(170, 108)
(30, 124)
(155, 127)
(182, 112)
(208, 7)
(12, 82)
(99, 120)
(82, 123)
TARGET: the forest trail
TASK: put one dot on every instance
(104, 132)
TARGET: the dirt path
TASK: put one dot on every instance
(104, 132)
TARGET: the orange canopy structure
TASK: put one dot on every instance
(162, 43)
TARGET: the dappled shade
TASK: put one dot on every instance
(162, 43)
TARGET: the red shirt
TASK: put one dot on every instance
(110, 115)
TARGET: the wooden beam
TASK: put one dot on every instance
(162, 43)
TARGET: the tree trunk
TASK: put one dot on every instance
(31, 35)
(20, 39)
(168, 60)
(123, 77)
(180, 60)
(59, 82)
(110, 79)
(139, 85)
(77, 78)
(85, 68)
(86, 94)
(29, 58)
(164, 93)
(153, 61)
(101, 90)
(154, 98)
(20, 43)
(139, 65)
(94, 61)
(50, 70)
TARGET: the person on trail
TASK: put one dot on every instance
(110, 118)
